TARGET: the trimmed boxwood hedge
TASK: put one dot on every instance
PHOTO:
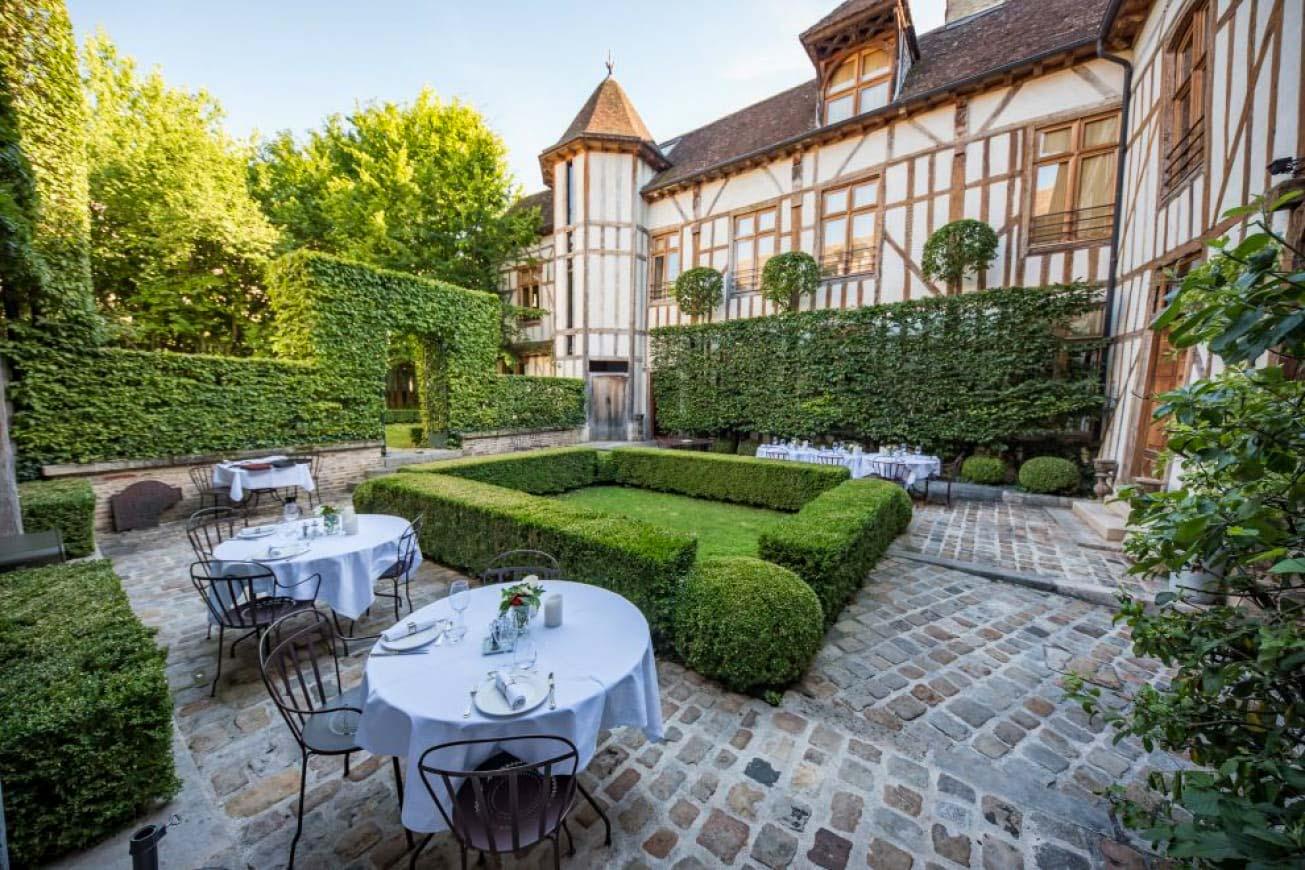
(834, 541)
(1049, 474)
(984, 469)
(469, 522)
(85, 715)
(66, 505)
(750, 624)
(784, 486)
(540, 472)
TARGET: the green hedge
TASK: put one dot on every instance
(784, 486)
(66, 505)
(520, 402)
(990, 470)
(409, 416)
(469, 522)
(539, 472)
(977, 368)
(85, 715)
(750, 624)
(1049, 474)
(834, 541)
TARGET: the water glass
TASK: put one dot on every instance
(459, 598)
(525, 654)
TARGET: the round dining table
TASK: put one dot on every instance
(348, 564)
(605, 676)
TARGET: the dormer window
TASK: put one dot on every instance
(862, 82)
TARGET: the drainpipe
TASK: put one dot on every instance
(1112, 279)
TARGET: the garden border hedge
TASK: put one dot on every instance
(85, 714)
(784, 486)
(66, 505)
(549, 471)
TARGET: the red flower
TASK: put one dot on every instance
(516, 601)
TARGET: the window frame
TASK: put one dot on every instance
(704, 256)
(749, 281)
(663, 293)
(1071, 232)
(530, 283)
(858, 82)
(1184, 151)
(844, 270)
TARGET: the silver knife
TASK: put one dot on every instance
(552, 698)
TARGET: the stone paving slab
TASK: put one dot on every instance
(930, 732)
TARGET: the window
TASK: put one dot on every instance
(1074, 180)
(665, 265)
(861, 83)
(848, 231)
(528, 282)
(570, 193)
(756, 238)
(711, 244)
(609, 366)
(1185, 123)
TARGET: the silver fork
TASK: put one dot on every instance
(552, 697)
(466, 714)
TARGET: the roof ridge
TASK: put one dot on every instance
(741, 110)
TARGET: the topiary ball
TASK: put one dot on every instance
(748, 623)
(990, 470)
(1049, 474)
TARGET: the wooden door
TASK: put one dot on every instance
(607, 408)
(1166, 369)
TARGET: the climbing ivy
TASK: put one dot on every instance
(945, 371)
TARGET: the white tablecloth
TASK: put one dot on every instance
(241, 479)
(349, 564)
(605, 676)
(908, 468)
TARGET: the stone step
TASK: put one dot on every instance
(1101, 519)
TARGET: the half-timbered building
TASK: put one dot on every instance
(1012, 113)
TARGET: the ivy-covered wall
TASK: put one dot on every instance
(978, 368)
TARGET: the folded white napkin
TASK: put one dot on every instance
(516, 699)
(408, 627)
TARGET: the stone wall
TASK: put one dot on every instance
(485, 443)
(342, 468)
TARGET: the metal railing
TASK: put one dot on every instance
(1185, 156)
(1075, 225)
(851, 261)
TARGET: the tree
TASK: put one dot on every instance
(955, 250)
(178, 244)
(421, 188)
(788, 277)
(698, 291)
(1236, 702)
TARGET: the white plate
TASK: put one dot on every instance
(254, 532)
(417, 640)
(285, 553)
(491, 703)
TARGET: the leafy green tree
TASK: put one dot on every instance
(698, 291)
(955, 250)
(1236, 700)
(179, 246)
(420, 187)
(788, 277)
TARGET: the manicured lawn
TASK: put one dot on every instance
(399, 435)
(722, 529)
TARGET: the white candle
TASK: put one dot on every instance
(553, 610)
(349, 521)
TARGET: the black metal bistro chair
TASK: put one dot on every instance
(209, 495)
(951, 473)
(209, 527)
(245, 596)
(400, 573)
(516, 565)
(507, 805)
(299, 659)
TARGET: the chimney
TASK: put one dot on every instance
(963, 8)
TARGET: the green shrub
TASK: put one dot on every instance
(66, 505)
(723, 445)
(469, 522)
(960, 248)
(606, 468)
(748, 447)
(784, 486)
(540, 472)
(789, 276)
(402, 415)
(750, 624)
(1049, 474)
(522, 402)
(834, 541)
(698, 291)
(984, 469)
(85, 715)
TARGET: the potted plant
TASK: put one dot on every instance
(521, 601)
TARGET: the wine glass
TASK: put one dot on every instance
(459, 598)
(524, 655)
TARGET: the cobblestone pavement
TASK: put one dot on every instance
(1026, 539)
(931, 732)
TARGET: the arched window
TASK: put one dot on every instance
(862, 82)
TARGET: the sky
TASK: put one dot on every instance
(526, 66)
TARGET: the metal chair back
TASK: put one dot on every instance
(826, 459)
(202, 477)
(299, 659)
(516, 565)
(209, 527)
(504, 809)
(409, 541)
(236, 593)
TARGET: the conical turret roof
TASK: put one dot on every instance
(608, 116)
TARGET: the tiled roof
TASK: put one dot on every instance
(964, 51)
(544, 200)
(607, 112)
(841, 13)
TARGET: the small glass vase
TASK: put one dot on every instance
(332, 523)
(521, 615)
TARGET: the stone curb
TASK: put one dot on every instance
(1089, 592)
